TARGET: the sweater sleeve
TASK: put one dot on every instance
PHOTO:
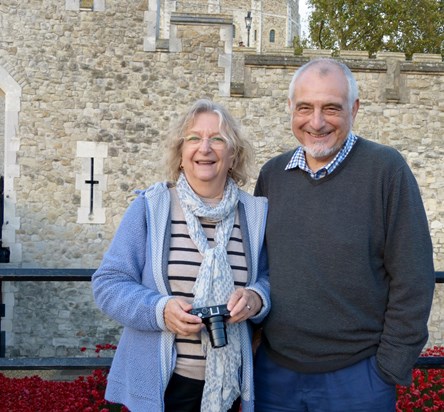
(257, 210)
(408, 260)
(118, 285)
(262, 287)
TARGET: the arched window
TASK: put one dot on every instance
(234, 31)
(272, 36)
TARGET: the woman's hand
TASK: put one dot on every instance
(243, 304)
(178, 320)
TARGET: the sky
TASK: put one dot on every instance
(303, 11)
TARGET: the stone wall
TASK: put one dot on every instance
(2, 126)
(281, 16)
(84, 86)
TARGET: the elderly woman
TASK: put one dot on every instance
(194, 242)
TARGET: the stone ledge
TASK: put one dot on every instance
(291, 61)
(274, 60)
(181, 18)
(422, 67)
(54, 363)
(427, 57)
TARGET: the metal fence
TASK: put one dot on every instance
(84, 275)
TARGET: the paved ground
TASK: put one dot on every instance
(51, 375)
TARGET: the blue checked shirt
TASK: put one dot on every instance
(298, 159)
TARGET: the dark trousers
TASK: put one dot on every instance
(357, 388)
(185, 395)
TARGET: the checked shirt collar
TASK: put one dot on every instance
(298, 159)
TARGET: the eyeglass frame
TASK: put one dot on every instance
(217, 141)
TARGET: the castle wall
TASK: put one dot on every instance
(280, 16)
(90, 89)
(2, 126)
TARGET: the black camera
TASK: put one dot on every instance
(213, 318)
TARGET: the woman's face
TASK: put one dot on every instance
(206, 156)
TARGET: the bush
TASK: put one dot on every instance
(426, 393)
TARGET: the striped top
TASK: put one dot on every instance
(183, 267)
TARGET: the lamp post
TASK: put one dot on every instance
(248, 20)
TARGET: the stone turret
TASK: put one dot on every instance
(273, 26)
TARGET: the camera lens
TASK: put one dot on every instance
(217, 331)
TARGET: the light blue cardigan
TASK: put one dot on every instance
(131, 287)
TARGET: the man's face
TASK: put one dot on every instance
(321, 114)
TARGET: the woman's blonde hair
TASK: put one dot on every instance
(242, 153)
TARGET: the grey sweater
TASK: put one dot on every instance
(351, 266)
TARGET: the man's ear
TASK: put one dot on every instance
(355, 109)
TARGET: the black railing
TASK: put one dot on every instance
(4, 251)
(26, 363)
(35, 275)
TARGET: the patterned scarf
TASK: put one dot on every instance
(214, 285)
